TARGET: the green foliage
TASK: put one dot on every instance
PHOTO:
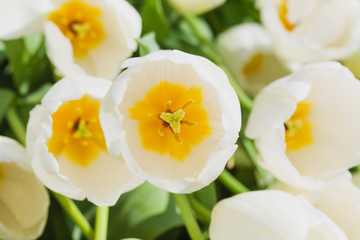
(7, 97)
(154, 19)
(146, 213)
(147, 44)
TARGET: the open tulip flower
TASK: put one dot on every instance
(312, 30)
(339, 202)
(270, 215)
(248, 51)
(175, 119)
(83, 36)
(24, 201)
(304, 125)
(67, 145)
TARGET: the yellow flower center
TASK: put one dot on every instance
(254, 65)
(283, 11)
(297, 128)
(76, 131)
(171, 119)
(2, 174)
(81, 24)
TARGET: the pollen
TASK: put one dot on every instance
(171, 119)
(297, 128)
(81, 24)
(283, 11)
(254, 65)
(76, 131)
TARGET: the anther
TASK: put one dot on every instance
(187, 103)
(162, 130)
(168, 109)
(177, 137)
(189, 123)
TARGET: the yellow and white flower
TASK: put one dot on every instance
(340, 202)
(310, 31)
(67, 146)
(248, 52)
(24, 201)
(270, 215)
(82, 36)
(195, 6)
(174, 117)
(305, 125)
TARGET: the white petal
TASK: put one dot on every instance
(324, 30)
(201, 166)
(12, 151)
(239, 45)
(19, 18)
(24, 201)
(269, 215)
(333, 151)
(195, 7)
(122, 24)
(104, 179)
(277, 102)
(339, 202)
(60, 52)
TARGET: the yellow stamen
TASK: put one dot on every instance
(297, 128)
(171, 119)
(283, 11)
(81, 24)
(254, 65)
(76, 131)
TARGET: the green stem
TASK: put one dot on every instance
(202, 212)
(74, 212)
(101, 223)
(251, 151)
(233, 184)
(16, 125)
(186, 212)
(212, 53)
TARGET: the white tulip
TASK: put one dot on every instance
(340, 202)
(175, 119)
(248, 52)
(83, 37)
(312, 30)
(195, 6)
(67, 146)
(270, 215)
(24, 201)
(305, 125)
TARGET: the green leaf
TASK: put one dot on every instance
(154, 19)
(147, 44)
(199, 27)
(6, 99)
(30, 67)
(36, 96)
(2, 52)
(145, 213)
(207, 196)
(15, 50)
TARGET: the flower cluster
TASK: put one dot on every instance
(118, 93)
